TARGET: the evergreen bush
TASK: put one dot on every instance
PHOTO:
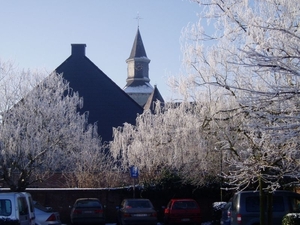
(291, 219)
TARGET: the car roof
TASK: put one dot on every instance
(12, 194)
(277, 192)
(256, 191)
(136, 199)
(86, 199)
(182, 199)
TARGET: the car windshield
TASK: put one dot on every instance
(37, 205)
(138, 204)
(185, 205)
(88, 204)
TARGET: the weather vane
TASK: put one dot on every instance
(138, 18)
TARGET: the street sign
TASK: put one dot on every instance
(134, 172)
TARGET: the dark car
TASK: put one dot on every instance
(225, 217)
(87, 211)
(137, 211)
(182, 211)
(245, 209)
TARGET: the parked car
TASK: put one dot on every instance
(217, 208)
(182, 211)
(14, 207)
(245, 209)
(45, 215)
(226, 214)
(87, 211)
(137, 211)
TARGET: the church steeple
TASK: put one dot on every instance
(138, 49)
(138, 62)
(138, 86)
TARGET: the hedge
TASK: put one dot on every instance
(291, 219)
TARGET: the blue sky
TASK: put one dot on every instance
(38, 34)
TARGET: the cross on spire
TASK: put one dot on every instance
(138, 18)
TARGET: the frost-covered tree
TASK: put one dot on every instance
(15, 84)
(172, 139)
(252, 53)
(93, 168)
(42, 132)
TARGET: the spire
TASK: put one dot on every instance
(138, 49)
(138, 86)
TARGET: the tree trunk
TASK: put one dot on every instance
(261, 202)
(270, 208)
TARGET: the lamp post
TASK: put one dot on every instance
(221, 181)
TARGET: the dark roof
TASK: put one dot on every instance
(153, 98)
(136, 83)
(107, 104)
(138, 49)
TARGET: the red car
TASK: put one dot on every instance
(182, 211)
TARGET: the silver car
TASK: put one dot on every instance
(45, 215)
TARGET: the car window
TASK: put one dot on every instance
(278, 204)
(138, 204)
(88, 204)
(23, 208)
(227, 206)
(30, 204)
(185, 205)
(294, 204)
(252, 204)
(234, 203)
(5, 207)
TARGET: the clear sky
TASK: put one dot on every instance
(37, 34)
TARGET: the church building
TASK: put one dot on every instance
(108, 105)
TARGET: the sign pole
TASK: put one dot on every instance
(133, 187)
(134, 173)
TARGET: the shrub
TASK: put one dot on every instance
(291, 219)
